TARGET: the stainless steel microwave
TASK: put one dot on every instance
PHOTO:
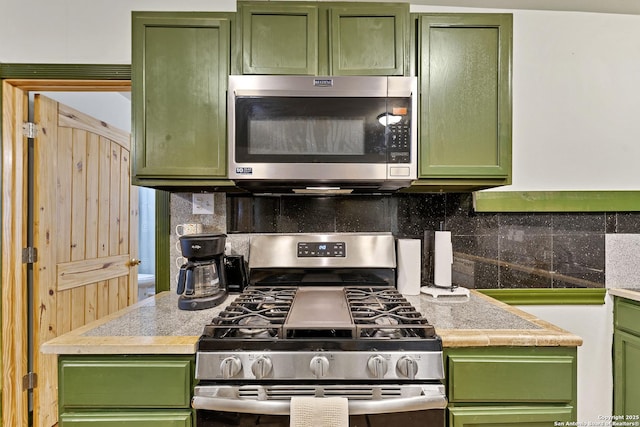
(311, 134)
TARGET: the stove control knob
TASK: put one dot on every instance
(377, 366)
(319, 366)
(230, 367)
(262, 367)
(407, 367)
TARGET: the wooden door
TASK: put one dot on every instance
(85, 231)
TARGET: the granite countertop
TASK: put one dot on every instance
(156, 326)
(629, 293)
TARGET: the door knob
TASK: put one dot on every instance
(134, 262)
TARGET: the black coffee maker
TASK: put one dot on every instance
(202, 281)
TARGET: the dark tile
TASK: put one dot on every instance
(416, 213)
(564, 223)
(463, 220)
(363, 214)
(530, 223)
(474, 274)
(307, 215)
(627, 222)
(611, 219)
(513, 278)
(526, 251)
(579, 260)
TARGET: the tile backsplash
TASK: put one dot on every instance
(491, 250)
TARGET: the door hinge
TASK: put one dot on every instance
(30, 381)
(29, 129)
(29, 255)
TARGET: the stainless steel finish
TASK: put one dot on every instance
(378, 366)
(262, 367)
(332, 365)
(320, 308)
(362, 251)
(393, 175)
(363, 399)
(407, 367)
(230, 367)
(319, 366)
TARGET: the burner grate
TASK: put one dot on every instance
(256, 313)
(382, 312)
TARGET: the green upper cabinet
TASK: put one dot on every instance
(180, 67)
(279, 39)
(324, 38)
(464, 68)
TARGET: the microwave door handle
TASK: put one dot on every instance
(430, 399)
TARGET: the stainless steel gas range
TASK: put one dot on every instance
(320, 318)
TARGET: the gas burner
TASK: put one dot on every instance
(254, 327)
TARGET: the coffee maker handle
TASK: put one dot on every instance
(182, 278)
(190, 287)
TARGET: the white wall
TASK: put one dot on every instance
(79, 31)
(595, 325)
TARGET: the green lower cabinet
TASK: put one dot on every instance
(534, 386)
(119, 389)
(522, 416)
(626, 358)
(134, 419)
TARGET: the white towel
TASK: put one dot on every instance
(319, 412)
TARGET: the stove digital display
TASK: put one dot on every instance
(321, 249)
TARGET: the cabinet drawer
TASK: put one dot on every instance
(511, 378)
(125, 383)
(529, 416)
(627, 315)
(135, 419)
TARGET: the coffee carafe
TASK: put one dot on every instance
(202, 280)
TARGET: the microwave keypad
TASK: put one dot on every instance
(399, 143)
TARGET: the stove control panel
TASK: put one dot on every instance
(322, 249)
(311, 365)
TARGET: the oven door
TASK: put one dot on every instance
(369, 405)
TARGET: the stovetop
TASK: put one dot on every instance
(282, 318)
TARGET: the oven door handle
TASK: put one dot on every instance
(430, 399)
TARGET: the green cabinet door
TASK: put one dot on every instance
(180, 65)
(626, 358)
(369, 39)
(279, 39)
(324, 38)
(465, 105)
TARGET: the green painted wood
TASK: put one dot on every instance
(492, 377)
(180, 67)
(626, 357)
(369, 39)
(627, 316)
(465, 85)
(626, 373)
(182, 418)
(555, 296)
(511, 378)
(335, 38)
(522, 416)
(124, 382)
(279, 38)
(66, 71)
(557, 201)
